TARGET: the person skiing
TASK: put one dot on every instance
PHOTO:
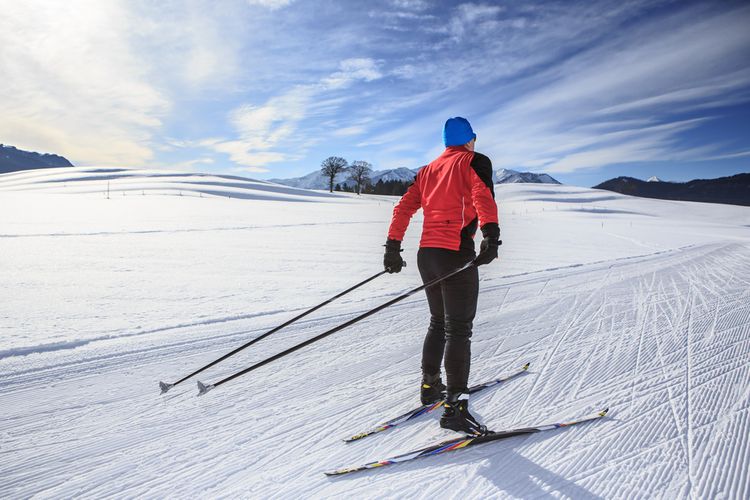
(456, 194)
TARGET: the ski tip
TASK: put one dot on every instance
(341, 472)
(526, 366)
(204, 388)
(603, 412)
(165, 387)
(359, 436)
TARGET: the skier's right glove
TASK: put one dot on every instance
(488, 247)
(392, 260)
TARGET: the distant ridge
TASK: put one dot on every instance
(734, 190)
(316, 180)
(13, 160)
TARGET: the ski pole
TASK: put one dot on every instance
(166, 386)
(204, 388)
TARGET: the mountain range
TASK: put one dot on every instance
(13, 159)
(316, 180)
(734, 190)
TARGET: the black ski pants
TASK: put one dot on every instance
(453, 305)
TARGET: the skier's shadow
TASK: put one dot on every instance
(517, 476)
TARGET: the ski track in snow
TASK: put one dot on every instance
(662, 339)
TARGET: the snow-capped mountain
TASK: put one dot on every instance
(506, 176)
(313, 180)
(654, 178)
(316, 180)
(397, 174)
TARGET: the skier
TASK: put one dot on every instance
(456, 194)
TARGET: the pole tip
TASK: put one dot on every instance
(165, 387)
(204, 388)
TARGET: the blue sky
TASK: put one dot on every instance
(585, 90)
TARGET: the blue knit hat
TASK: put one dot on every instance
(457, 132)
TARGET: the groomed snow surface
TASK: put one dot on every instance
(639, 305)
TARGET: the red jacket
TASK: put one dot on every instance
(454, 191)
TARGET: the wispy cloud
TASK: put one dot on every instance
(648, 72)
(349, 131)
(415, 5)
(474, 19)
(271, 4)
(729, 156)
(364, 69)
(270, 133)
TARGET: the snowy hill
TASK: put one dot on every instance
(637, 304)
(129, 181)
(654, 178)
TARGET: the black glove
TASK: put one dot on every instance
(392, 260)
(488, 247)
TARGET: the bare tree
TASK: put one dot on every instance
(360, 172)
(331, 167)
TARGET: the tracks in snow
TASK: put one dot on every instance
(663, 340)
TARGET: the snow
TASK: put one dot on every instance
(637, 304)
(654, 178)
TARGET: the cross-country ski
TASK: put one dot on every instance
(462, 443)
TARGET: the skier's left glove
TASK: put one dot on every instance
(488, 247)
(392, 260)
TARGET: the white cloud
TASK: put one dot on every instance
(72, 83)
(349, 131)
(270, 4)
(474, 19)
(267, 133)
(352, 70)
(729, 156)
(417, 5)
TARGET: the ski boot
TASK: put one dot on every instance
(456, 416)
(432, 389)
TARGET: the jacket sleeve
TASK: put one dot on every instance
(482, 191)
(406, 207)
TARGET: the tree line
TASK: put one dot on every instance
(359, 173)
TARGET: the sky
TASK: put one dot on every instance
(582, 90)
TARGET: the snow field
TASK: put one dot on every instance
(639, 305)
